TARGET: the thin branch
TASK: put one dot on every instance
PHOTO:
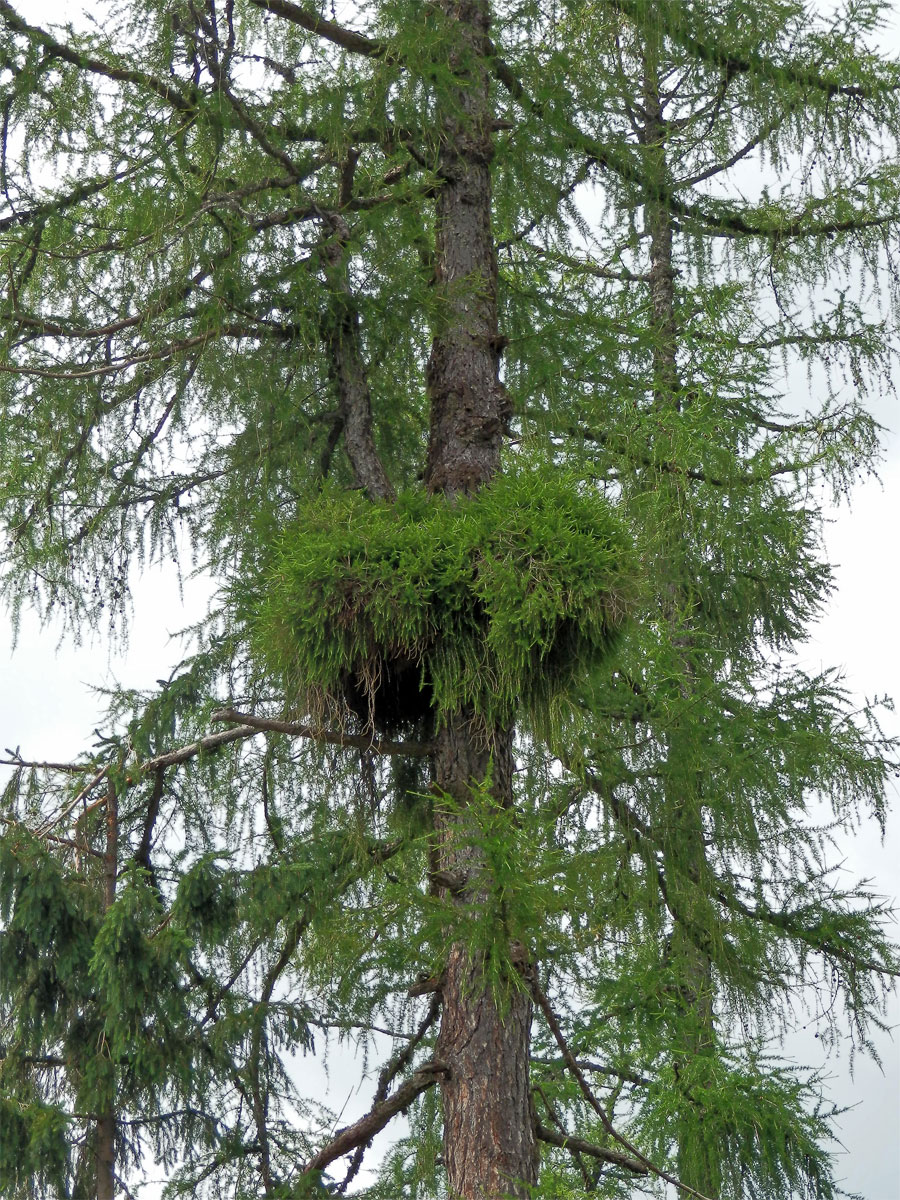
(25, 764)
(45, 828)
(586, 1065)
(733, 64)
(718, 168)
(49, 1061)
(578, 264)
(250, 726)
(397, 1064)
(329, 737)
(569, 1058)
(78, 847)
(376, 1118)
(184, 753)
(56, 49)
(719, 221)
(576, 1145)
(666, 467)
(338, 35)
(557, 1121)
(819, 940)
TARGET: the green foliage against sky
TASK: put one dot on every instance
(223, 293)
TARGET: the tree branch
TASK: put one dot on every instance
(569, 1058)
(576, 1145)
(376, 1118)
(720, 221)
(166, 91)
(329, 737)
(398, 1063)
(666, 467)
(819, 940)
(347, 39)
(734, 64)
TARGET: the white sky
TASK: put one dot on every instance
(47, 709)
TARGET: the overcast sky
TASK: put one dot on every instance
(47, 709)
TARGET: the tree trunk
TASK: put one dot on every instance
(468, 402)
(685, 855)
(489, 1141)
(106, 1157)
(106, 1122)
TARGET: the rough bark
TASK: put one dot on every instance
(469, 405)
(490, 1147)
(489, 1138)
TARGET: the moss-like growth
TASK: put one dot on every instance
(494, 601)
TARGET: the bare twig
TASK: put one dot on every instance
(25, 764)
(44, 829)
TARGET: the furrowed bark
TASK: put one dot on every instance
(489, 1138)
(469, 405)
(490, 1147)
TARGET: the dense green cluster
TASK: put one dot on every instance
(498, 598)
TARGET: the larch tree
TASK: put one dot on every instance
(443, 339)
(722, 732)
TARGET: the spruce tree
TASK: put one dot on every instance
(491, 740)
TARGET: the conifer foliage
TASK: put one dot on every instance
(451, 341)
